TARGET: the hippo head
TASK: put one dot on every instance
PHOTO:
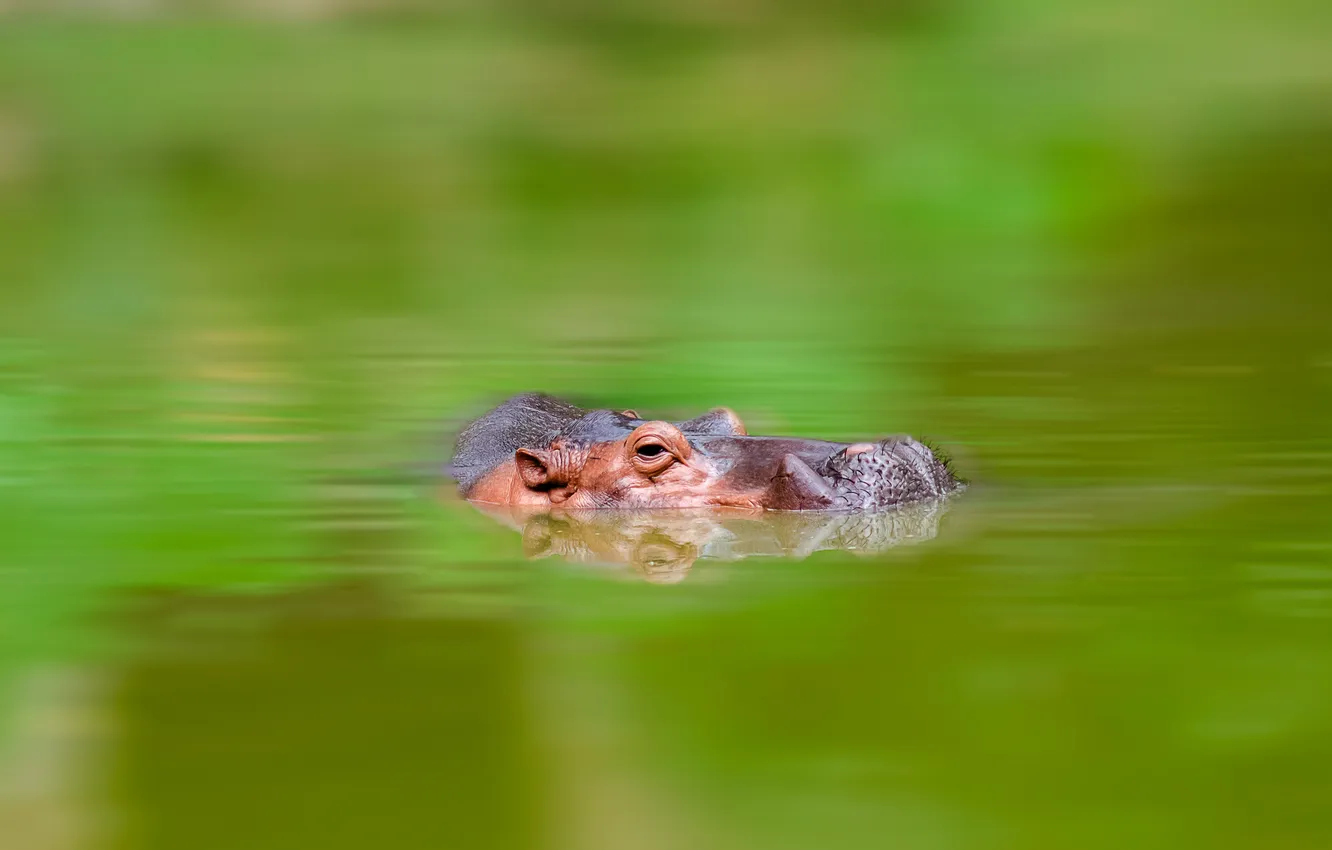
(538, 452)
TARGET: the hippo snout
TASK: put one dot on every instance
(867, 476)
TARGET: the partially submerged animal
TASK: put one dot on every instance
(535, 451)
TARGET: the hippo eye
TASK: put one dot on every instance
(651, 457)
(654, 447)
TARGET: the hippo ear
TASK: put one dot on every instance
(534, 467)
(718, 422)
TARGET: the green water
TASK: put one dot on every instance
(255, 274)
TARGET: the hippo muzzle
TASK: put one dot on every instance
(538, 452)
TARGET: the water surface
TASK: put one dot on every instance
(253, 282)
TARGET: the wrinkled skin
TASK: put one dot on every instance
(662, 546)
(538, 452)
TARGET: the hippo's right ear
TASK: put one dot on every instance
(720, 422)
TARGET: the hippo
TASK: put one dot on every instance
(538, 452)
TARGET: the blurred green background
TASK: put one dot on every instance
(259, 259)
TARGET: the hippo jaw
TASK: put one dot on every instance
(608, 460)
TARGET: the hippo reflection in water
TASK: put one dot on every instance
(537, 452)
(662, 546)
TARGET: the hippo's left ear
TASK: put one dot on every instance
(536, 468)
(554, 470)
(718, 422)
